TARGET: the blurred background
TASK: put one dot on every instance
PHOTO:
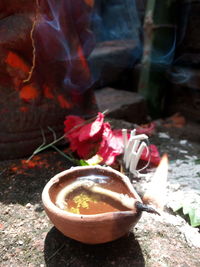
(152, 48)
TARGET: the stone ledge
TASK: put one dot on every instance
(109, 59)
(122, 104)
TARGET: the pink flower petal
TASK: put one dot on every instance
(154, 155)
(91, 129)
(147, 129)
(111, 145)
(70, 122)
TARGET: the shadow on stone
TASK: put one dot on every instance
(62, 251)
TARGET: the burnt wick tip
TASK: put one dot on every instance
(142, 207)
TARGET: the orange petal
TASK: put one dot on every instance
(48, 92)
(83, 60)
(63, 102)
(28, 92)
(16, 61)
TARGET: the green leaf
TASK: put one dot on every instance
(194, 215)
(82, 162)
(187, 207)
(176, 205)
(197, 161)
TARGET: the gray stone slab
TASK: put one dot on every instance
(109, 59)
(121, 104)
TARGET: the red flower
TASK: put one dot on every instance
(148, 129)
(154, 155)
(111, 145)
(92, 130)
(98, 138)
(71, 126)
(84, 138)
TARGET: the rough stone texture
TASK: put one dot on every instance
(122, 104)
(109, 59)
(155, 242)
(185, 100)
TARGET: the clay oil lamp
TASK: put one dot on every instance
(92, 204)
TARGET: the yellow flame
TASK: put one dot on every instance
(156, 192)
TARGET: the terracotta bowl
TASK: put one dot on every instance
(96, 228)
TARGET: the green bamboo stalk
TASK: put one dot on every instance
(157, 35)
(147, 47)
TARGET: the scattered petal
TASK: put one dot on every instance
(154, 155)
(147, 129)
(177, 121)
